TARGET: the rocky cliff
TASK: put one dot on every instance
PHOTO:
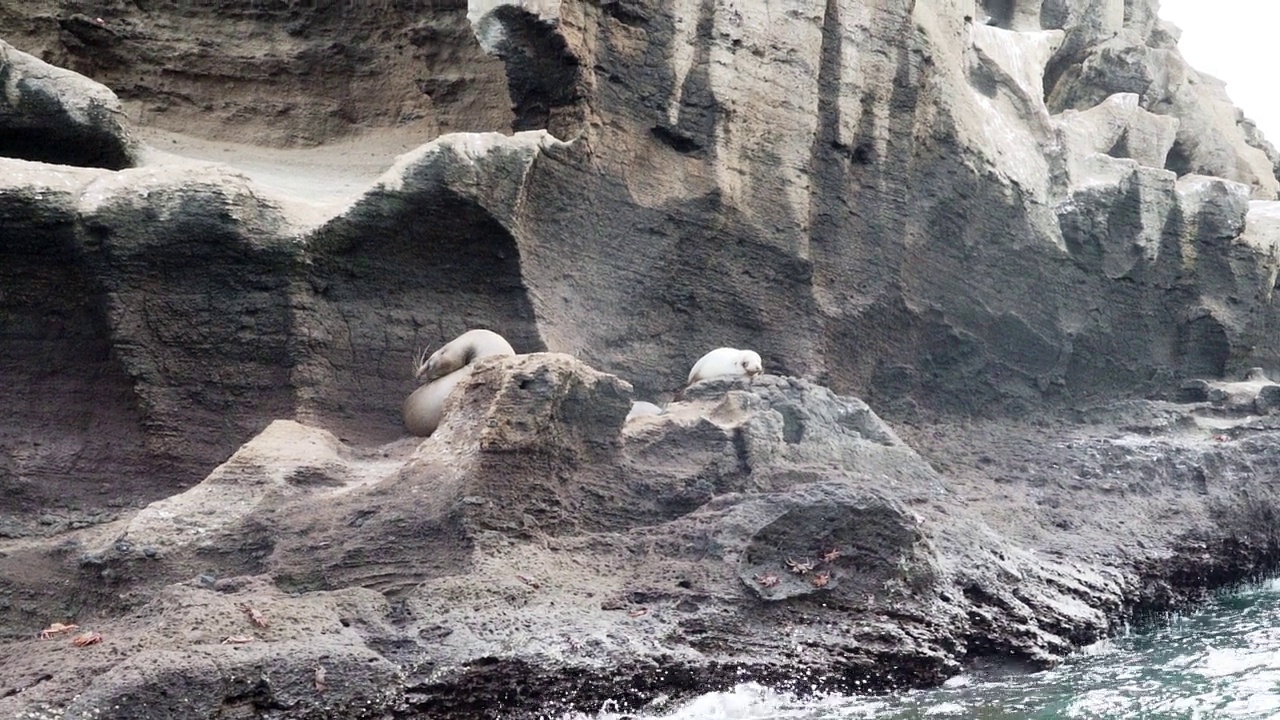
(1027, 233)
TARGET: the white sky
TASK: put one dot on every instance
(1235, 41)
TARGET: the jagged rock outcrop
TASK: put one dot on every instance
(1018, 229)
(539, 552)
(1139, 56)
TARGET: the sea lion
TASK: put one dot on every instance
(459, 352)
(424, 408)
(640, 408)
(443, 371)
(725, 361)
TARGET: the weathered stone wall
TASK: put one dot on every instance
(932, 205)
(274, 72)
(879, 196)
(959, 211)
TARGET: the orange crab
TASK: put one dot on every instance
(255, 617)
(89, 638)
(799, 568)
(57, 628)
(767, 580)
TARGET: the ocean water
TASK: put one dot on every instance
(1221, 661)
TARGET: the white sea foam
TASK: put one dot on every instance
(1222, 662)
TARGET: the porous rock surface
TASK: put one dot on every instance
(539, 554)
(1040, 245)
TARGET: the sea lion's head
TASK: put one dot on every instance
(458, 353)
(750, 363)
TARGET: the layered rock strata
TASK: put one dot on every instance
(1028, 234)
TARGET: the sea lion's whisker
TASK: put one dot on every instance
(420, 361)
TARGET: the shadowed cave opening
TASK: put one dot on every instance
(1204, 348)
(64, 147)
(999, 12)
(1178, 160)
(1024, 15)
(391, 284)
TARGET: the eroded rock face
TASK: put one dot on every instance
(540, 539)
(1006, 225)
(915, 224)
(275, 73)
(783, 174)
(155, 301)
(162, 315)
(1213, 137)
(801, 216)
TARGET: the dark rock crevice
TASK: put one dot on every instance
(544, 76)
(69, 147)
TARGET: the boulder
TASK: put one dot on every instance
(57, 116)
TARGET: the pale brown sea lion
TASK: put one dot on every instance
(459, 352)
(443, 371)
